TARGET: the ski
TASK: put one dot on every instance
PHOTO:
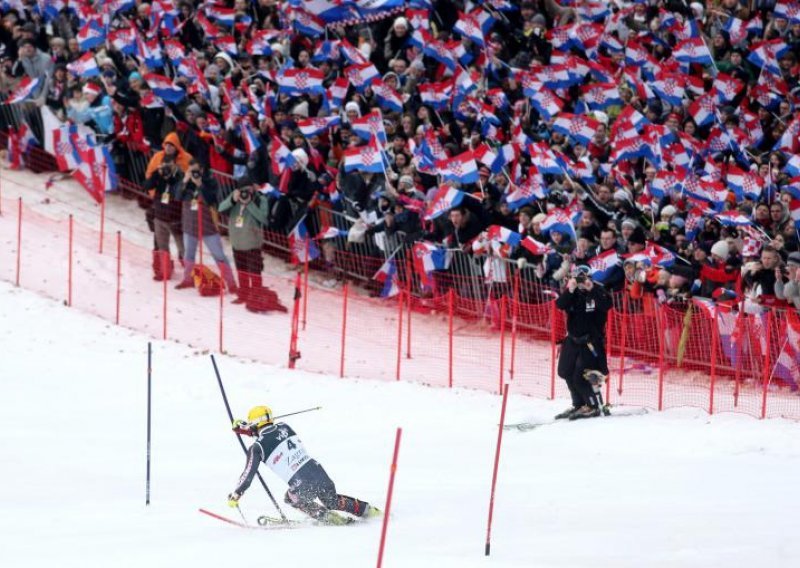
(274, 524)
(528, 426)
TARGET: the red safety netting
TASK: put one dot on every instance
(461, 332)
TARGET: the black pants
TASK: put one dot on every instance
(574, 360)
(314, 493)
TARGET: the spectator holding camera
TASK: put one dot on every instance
(247, 212)
(760, 278)
(164, 188)
(586, 305)
(199, 219)
(789, 290)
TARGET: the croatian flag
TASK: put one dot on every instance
(732, 219)
(428, 257)
(474, 26)
(251, 141)
(150, 51)
(558, 220)
(765, 55)
(84, 66)
(579, 127)
(461, 168)
(369, 126)
(24, 90)
(659, 256)
(301, 81)
(599, 96)
(443, 201)
(303, 249)
(227, 44)
(726, 326)
(387, 98)
(546, 102)
(328, 232)
(526, 192)
(692, 50)
(91, 35)
(361, 75)
(737, 31)
(605, 265)
(259, 44)
(669, 88)
(387, 275)
(534, 247)
(793, 166)
(726, 88)
(317, 126)
(702, 110)
(503, 235)
(223, 16)
(163, 88)
(280, 156)
(787, 366)
(124, 40)
(308, 24)
(794, 212)
(367, 158)
(437, 95)
(337, 92)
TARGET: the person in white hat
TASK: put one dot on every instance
(396, 39)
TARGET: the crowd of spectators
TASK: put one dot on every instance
(667, 114)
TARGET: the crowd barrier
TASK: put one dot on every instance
(474, 327)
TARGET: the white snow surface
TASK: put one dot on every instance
(672, 489)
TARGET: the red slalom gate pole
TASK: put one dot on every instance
(408, 312)
(624, 330)
(345, 291)
(388, 507)
(496, 466)
(714, 341)
(661, 359)
(553, 349)
(119, 274)
(294, 354)
(69, 263)
(767, 364)
(502, 343)
(19, 239)
(514, 316)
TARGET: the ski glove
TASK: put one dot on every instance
(233, 499)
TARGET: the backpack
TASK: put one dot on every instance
(207, 282)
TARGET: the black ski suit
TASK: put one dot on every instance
(279, 447)
(584, 346)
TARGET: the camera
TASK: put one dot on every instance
(581, 278)
(245, 194)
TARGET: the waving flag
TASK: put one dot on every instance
(737, 30)
(428, 257)
(387, 276)
(732, 219)
(437, 95)
(20, 142)
(534, 247)
(387, 98)
(302, 248)
(370, 125)
(222, 15)
(765, 55)
(316, 126)
(164, 88)
(702, 110)
(259, 43)
(579, 127)
(600, 96)
(438, 50)
(531, 189)
(546, 103)
(337, 92)
(361, 75)
(92, 34)
(25, 89)
(605, 266)
(367, 158)
(787, 366)
(745, 184)
(461, 168)
(558, 220)
(251, 141)
(474, 26)
(443, 201)
(328, 232)
(726, 88)
(301, 81)
(503, 235)
(726, 326)
(124, 40)
(280, 156)
(693, 50)
(308, 24)
(669, 87)
(84, 66)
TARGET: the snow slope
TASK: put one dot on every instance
(671, 489)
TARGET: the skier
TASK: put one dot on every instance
(586, 305)
(310, 489)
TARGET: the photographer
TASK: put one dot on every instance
(586, 305)
(164, 187)
(199, 217)
(247, 212)
(760, 278)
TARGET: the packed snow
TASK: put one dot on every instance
(663, 489)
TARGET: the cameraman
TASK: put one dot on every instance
(586, 305)
(200, 220)
(164, 187)
(247, 212)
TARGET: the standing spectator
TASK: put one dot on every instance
(199, 217)
(759, 279)
(586, 305)
(33, 63)
(790, 290)
(164, 187)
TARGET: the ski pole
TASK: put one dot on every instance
(241, 443)
(244, 520)
(298, 412)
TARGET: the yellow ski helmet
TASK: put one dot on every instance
(260, 416)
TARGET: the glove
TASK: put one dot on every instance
(233, 500)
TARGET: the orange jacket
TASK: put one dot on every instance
(182, 159)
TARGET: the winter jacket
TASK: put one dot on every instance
(246, 221)
(182, 159)
(199, 203)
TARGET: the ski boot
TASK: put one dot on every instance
(372, 512)
(334, 518)
(585, 412)
(567, 413)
